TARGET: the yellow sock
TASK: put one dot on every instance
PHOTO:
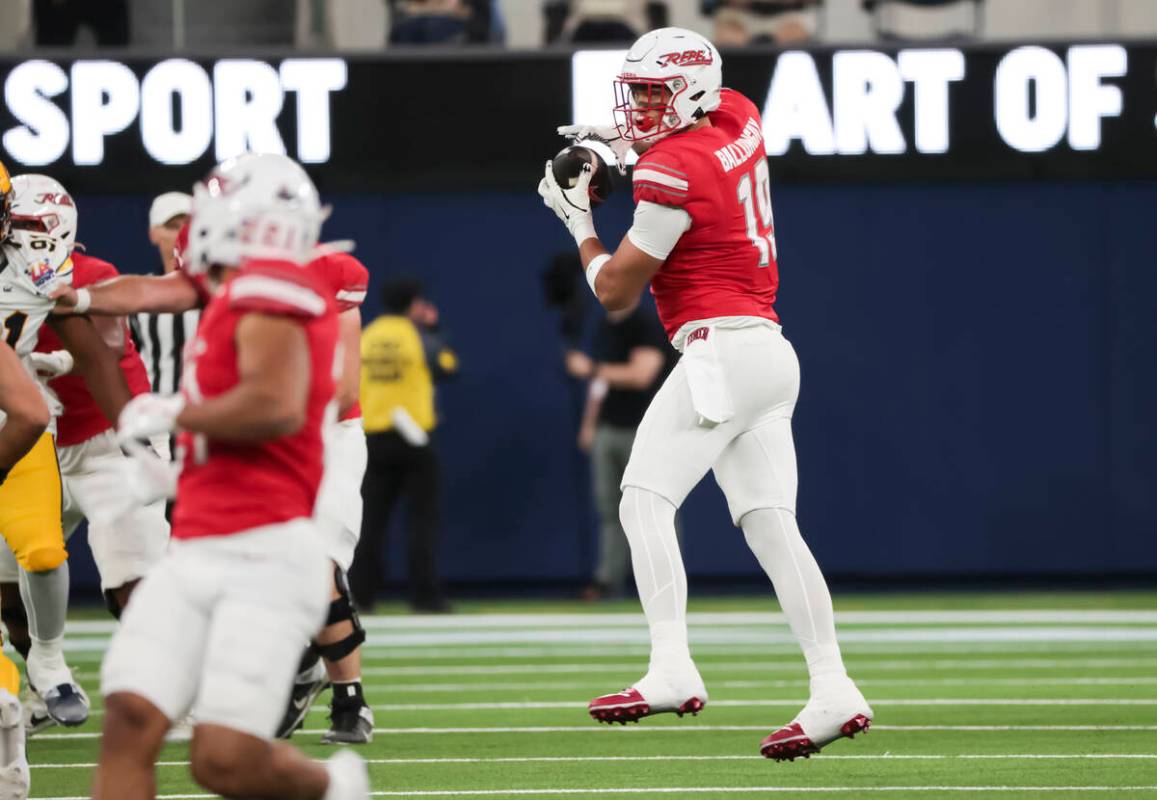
(9, 676)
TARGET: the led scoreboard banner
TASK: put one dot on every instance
(455, 120)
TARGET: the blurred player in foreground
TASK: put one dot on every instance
(217, 626)
(339, 505)
(35, 259)
(704, 236)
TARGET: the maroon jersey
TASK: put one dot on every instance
(347, 279)
(82, 418)
(725, 264)
(227, 487)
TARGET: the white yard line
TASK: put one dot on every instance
(525, 705)
(718, 618)
(594, 683)
(771, 703)
(580, 759)
(756, 790)
(691, 728)
(704, 790)
(92, 650)
(792, 665)
(636, 636)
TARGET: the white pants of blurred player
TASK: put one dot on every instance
(123, 551)
(339, 499)
(217, 627)
(725, 407)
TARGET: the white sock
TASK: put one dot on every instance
(774, 537)
(649, 522)
(46, 665)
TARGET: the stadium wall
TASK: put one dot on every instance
(978, 379)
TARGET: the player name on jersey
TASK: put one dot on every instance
(738, 152)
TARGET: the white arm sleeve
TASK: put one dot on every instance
(657, 228)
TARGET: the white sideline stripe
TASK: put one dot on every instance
(592, 728)
(637, 635)
(790, 665)
(93, 649)
(504, 686)
(577, 759)
(789, 703)
(715, 619)
(753, 703)
(733, 790)
(699, 790)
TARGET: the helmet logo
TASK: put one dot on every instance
(53, 198)
(687, 58)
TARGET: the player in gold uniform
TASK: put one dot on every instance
(38, 234)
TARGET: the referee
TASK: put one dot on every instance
(160, 338)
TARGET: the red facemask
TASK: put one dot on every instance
(644, 107)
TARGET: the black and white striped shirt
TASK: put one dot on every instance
(160, 339)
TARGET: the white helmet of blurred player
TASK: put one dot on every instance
(253, 206)
(670, 79)
(43, 227)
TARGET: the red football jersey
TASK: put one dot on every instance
(82, 418)
(226, 487)
(344, 276)
(348, 279)
(725, 264)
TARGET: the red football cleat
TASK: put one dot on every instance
(790, 742)
(630, 706)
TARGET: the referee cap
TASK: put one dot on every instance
(167, 206)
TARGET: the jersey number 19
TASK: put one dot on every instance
(755, 190)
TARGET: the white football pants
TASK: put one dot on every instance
(726, 407)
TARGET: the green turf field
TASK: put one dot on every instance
(1019, 696)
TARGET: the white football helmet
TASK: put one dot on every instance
(253, 206)
(672, 71)
(43, 227)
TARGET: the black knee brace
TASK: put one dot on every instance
(340, 610)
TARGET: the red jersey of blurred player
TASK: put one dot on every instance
(346, 279)
(725, 264)
(219, 480)
(82, 418)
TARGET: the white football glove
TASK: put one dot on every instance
(51, 365)
(608, 135)
(147, 415)
(572, 206)
(139, 479)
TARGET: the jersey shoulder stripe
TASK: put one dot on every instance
(266, 293)
(660, 177)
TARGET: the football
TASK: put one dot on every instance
(568, 164)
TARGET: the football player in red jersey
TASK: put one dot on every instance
(217, 625)
(339, 506)
(704, 237)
